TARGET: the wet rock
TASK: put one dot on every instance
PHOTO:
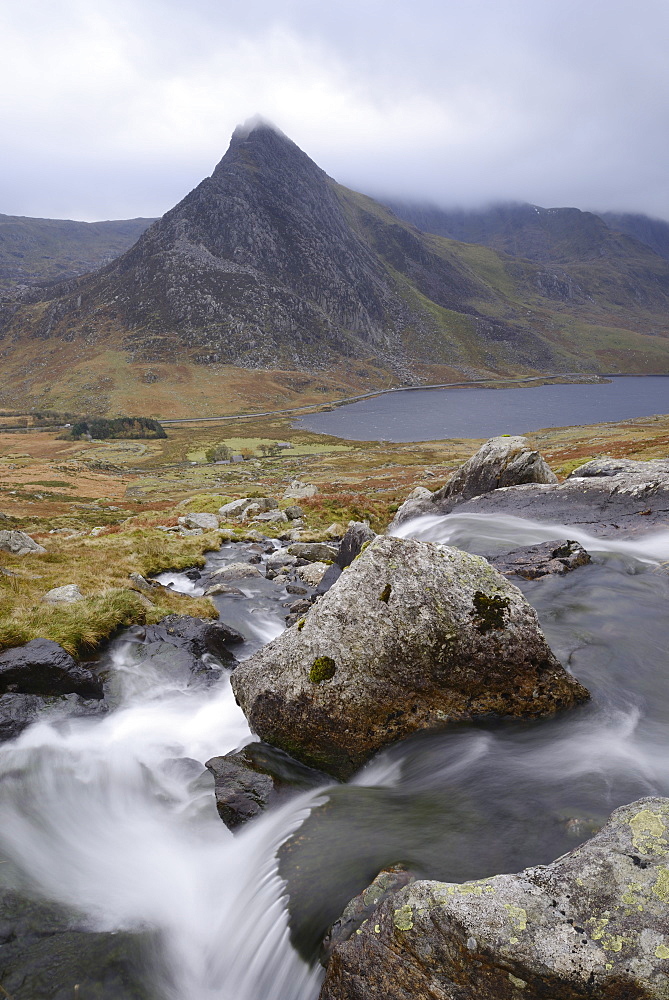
(236, 571)
(18, 711)
(592, 924)
(223, 590)
(249, 779)
(412, 636)
(241, 793)
(357, 534)
(313, 551)
(293, 588)
(361, 907)
(625, 503)
(197, 635)
(43, 667)
(207, 522)
(500, 462)
(19, 544)
(281, 559)
(45, 950)
(546, 559)
(69, 594)
(312, 574)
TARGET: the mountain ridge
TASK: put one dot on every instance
(269, 264)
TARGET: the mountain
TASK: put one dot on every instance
(653, 232)
(53, 249)
(270, 267)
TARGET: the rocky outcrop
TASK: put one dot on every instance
(594, 924)
(207, 522)
(628, 503)
(545, 559)
(19, 544)
(42, 667)
(69, 593)
(412, 636)
(500, 462)
(614, 466)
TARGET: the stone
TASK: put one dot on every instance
(412, 636)
(189, 532)
(311, 574)
(42, 667)
(207, 522)
(18, 711)
(46, 949)
(68, 594)
(19, 544)
(545, 559)
(626, 503)
(143, 584)
(300, 491)
(293, 513)
(313, 551)
(272, 516)
(593, 924)
(235, 508)
(248, 780)
(357, 534)
(500, 462)
(197, 635)
(330, 576)
(614, 466)
(281, 558)
(223, 590)
(236, 571)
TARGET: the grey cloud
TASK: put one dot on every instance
(553, 102)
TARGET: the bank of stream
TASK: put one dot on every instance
(114, 817)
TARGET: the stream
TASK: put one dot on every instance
(115, 817)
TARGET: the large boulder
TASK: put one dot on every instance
(623, 503)
(412, 636)
(19, 544)
(594, 924)
(502, 461)
(43, 667)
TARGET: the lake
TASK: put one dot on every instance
(436, 414)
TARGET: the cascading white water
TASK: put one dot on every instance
(109, 814)
(105, 816)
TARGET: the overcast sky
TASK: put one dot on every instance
(117, 108)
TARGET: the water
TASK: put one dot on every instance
(111, 815)
(437, 414)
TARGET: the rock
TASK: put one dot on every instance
(207, 522)
(235, 508)
(500, 462)
(361, 907)
(311, 574)
(313, 551)
(281, 558)
(18, 711)
(623, 504)
(293, 588)
(197, 635)
(241, 793)
(45, 950)
(271, 516)
(143, 584)
(614, 466)
(236, 571)
(357, 534)
(69, 594)
(293, 513)
(223, 590)
(43, 667)
(19, 544)
(251, 778)
(300, 491)
(189, 532)
(592, 924)
(412, 636)
(330, 576)
(548, 558)
(94, 532)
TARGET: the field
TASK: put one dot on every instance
(97, 506)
